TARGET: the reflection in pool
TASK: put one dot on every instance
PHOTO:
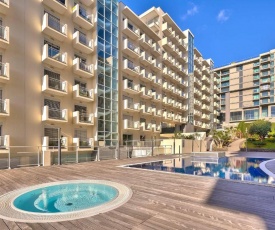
(230, 168)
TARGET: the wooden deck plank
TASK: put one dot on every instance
(159, 201)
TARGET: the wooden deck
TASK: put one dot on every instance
(159, 201)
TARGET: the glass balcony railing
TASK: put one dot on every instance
(83, 14)
(55, 54)
(56, 84)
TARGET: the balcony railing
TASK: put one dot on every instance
(4, 70)
(56, 25)
(4, 33)
(54, 114)
(55, 54)
(129, 124)
(83, 142)
(57, 84)
(4, 106)
(83, 117)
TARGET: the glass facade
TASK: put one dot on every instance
(107, 72)
(190, 53)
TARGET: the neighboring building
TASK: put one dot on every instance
(247, 90)
(99, 72)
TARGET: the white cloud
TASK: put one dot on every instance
(223, 16)
(191, 11)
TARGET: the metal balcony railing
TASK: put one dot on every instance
(55, 24)
(56, 114)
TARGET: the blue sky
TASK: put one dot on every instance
(224, 30)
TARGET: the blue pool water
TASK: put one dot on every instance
(230, 168)
(65, 197)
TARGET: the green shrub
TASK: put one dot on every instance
(259, 143)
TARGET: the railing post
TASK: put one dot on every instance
(38, 157)
(152, 147)
(76, 155)
(98, 154)
(9, 160)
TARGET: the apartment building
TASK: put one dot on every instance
(99, 73)
(164, 80)
(247, 90)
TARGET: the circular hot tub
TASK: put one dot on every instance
(64, 200)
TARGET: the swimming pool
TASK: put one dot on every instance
(229, 168)
(64, 200)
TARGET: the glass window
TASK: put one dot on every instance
(252, 114)
(272, 111)
(265, 111)
(236, 116)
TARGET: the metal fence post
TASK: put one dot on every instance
(9, 163)
(98, 154)
(152, 147)
(76, 155)
(38, 158)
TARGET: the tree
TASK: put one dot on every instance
(221, 138)
(242, 128)
(260, 127)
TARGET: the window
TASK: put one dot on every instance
(54, 79)
(256, 70)
(252, 114)
(265, 111)
(236, 116)
(256, 103)
(82, 135)
(239, 68)
(52, 133)
(272, 111)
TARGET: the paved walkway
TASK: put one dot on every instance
(234, 147)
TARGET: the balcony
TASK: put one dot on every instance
(82, 43)
(131, 125)
(265, 59)
(130, 49)
(145, 59)
(83, 94)
(156, 97)
(156, 80)
(157, 112)
(145, 42)
(145, 126)
(183, 120)
(166, 29)
(166, 72)
(130, 30)
(54, 86)
(182, 45)
(4, 107)
(205, 117)
(54, 115)
(53, 28)
(81, 17)
(197, 102)
(59, 6)
(197, 82)
(4, 72)
(130, 68)
(87, 2)
(206, 107)
(146, 94)
(166, 86)
(167, 44)
(129, 87)
(4, 6)
(156, 49)
(156, 128)
(184, 95)
(130, 106)
(197, 113)
(216, 105)
(205, 70)
(82, 69)
(167, 59)
(146, 76)
(83, 118)
(198, 123)
(4, 37)
(51, 143)
(156, 65)
(206, 98)
(197, 93)
(184, 107)
(54, 57)
(146, 110)
(84, 143)
(205, 79)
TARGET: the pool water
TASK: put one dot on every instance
(65, 197)
(229, 168)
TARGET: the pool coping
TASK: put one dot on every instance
(182, 174)
(265, 169)
(9, 212)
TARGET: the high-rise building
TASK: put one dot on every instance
(247, 90)
(99, 72)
